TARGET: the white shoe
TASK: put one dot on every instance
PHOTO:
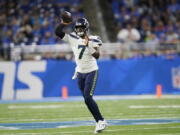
(100, 126)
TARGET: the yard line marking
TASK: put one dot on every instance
(152, 106)
(173, 116)
(156, 115)
(50, 119)
(10, 128)
(43, 106)
(63, 124)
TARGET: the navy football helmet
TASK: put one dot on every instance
(81, 26)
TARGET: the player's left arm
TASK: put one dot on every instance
(94, 49)
(96, 53)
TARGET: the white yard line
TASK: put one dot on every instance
(8, 128)
(148, 116)
(154, 115)
(43, 106)
(50, 119)
(153, 106)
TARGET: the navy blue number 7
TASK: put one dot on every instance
(83, 47)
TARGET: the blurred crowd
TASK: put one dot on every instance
(152, 20)
(156, 23)
(27, 22)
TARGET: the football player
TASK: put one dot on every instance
(86, 51)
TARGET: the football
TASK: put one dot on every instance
(66, 17)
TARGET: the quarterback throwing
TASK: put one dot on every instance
(86, 51)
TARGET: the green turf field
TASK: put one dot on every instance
(56, 112)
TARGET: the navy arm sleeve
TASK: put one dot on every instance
(59, 31)
(96, 54)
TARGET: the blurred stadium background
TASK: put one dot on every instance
(140, 56)
(140, 52)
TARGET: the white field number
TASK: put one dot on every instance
(24, 75)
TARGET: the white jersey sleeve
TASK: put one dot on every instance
(70, 38)
(96, 41)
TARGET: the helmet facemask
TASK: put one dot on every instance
(81, 27)
(80, 30)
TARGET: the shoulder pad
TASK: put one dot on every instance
(95, 39)
(73, 35)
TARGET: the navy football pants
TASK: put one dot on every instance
(87, 83)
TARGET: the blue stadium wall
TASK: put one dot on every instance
(39, 79)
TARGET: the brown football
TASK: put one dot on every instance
(66, 17)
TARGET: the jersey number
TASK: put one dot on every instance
(82, 47)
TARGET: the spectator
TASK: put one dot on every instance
(25, 6)
(46, 27)
(27, 32)
(174, 6)
(128, 38)
(151, 42)
(159, 28)
(145, 29)
(166, 13)
(19, 38)
(25, 18)
(124, 15)
(171, 36)
(128, 34)
(47, 39)
(36, 32)
(8, 37)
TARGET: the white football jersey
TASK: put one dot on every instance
(85, 62)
